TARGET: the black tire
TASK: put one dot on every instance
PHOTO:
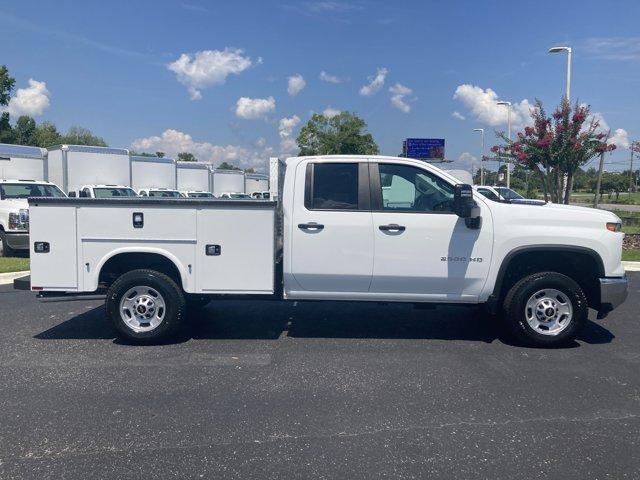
(173, 298)
(516, 300)
(5, 250)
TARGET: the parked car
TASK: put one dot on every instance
(260, 195)
(160, 193)
(103, 191)
(14, 211)
(504, 194)
(197, 194)
(235, 196)
(334, 235)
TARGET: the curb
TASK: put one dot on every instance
(8, 278)
(631, 266)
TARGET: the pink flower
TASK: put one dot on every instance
(528, 131)
(522, 157)
(495, 149)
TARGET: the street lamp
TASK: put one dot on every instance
(568, 50)
(481, 130)
(508, 104)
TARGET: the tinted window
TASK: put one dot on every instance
(508, 194)
(411, 189)
(25, 190)
(334, 187)
(113, 192)
(488, 193)
(164, 193)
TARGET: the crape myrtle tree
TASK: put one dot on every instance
(555, 147)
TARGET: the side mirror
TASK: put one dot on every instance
(463, 203)
(72, 194)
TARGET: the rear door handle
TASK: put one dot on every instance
(392, 227)
(310, 226)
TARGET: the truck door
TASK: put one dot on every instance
(421, 247)
(331, 228)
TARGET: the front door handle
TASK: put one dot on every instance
(392, 227)
(310, 226)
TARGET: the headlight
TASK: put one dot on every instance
(20, 220)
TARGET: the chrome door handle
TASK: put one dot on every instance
(310, 226)
(392, 227)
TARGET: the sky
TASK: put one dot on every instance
(235, 81)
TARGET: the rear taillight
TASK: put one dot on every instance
(614, 226)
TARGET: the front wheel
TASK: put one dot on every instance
(545, 309)
(145, 306)
(5, 250)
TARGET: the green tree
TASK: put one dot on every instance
(82, 136)
(7, 82)
(187, 157)
(46, 135)
(160, 154)
(25, 130)
(340, 134)
(227, 166)
(250, 170)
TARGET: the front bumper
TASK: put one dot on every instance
(613, 292)
(17, 240)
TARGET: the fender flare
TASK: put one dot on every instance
(155, 251)
(495, 295)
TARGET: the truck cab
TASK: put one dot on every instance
(160, 193)
(235, 196)
(103, 191)
(14, 211)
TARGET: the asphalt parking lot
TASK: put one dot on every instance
(339, 390)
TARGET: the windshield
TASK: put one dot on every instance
(508, 194)
(26, 190)
(165, 193)
(104, 192)
(199, 195)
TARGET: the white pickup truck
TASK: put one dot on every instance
(380, 229)
(103, 191)
(14, 212)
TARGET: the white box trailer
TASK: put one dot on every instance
(72, 166)
(227, 181)
(152, 172)
(19, 162)
(255, 182)
(193, 176)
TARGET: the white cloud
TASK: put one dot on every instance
(376, 82)
(288, 145)
(458, 115)
(483, 106)
(614, 48)
(208, 68)
(464, 162)
(173, 142)
(620, 139)
(398, 97)
(325, 77)
(254, 108)
(331, 112)
(295, 84)
(32, 101)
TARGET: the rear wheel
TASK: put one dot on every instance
(145, 306)
(545, 309)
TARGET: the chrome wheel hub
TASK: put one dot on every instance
(142, 309)
(549, 311)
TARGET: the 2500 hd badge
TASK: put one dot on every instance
(461, 259)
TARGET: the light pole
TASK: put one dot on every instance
(568, 50)
(481, 130)
(507, 163)
(568, 90)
